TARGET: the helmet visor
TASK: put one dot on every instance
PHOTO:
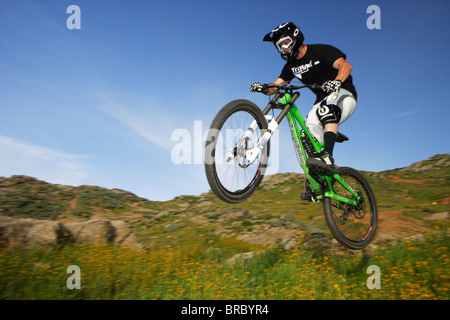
(285, 44)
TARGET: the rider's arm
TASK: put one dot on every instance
(344, 69)
(279, 82)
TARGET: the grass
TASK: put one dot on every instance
(409, 270)
(187, 258)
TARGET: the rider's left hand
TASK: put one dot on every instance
(332, 85)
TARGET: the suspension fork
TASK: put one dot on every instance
(254, 125)
(288, 101)
(272, 103)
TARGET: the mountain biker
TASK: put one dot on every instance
(316, 64)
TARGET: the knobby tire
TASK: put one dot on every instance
(210, 148)
(369, 202)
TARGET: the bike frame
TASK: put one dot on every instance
(295, 119)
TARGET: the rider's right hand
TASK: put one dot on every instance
(256, 87)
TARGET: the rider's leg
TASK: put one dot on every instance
(329, 137)
(329, 113)
(327, 134)
(347, 105)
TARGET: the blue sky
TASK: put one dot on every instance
(102, 105)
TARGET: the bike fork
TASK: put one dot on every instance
(288, 102)
(253, 153)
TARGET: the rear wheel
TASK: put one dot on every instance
(352, 226)
(231, 176)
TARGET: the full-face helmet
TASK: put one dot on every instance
(287, 38)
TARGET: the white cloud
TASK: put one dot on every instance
(406, 113)
(21, 158)
(151, 127)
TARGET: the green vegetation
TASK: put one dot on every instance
(190, 239)
(26, 197)
(195, 270)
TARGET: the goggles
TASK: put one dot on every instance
(285, 44)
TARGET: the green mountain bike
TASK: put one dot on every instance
(236, 156)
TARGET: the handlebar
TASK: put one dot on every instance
(257, 87)
(292, 87)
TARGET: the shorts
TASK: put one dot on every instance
(344, 100)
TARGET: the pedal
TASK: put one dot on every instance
(305, 196)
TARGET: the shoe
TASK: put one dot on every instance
(305, 196)
(340, 137)
(322, 163)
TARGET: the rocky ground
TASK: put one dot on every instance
(411, 201)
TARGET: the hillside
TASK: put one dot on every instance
(410, 200)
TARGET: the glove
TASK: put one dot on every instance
(258, 87)
(332, 85)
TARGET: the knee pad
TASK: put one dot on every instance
(330, 113)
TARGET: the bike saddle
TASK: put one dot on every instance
(341, 137)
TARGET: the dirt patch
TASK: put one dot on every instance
(445, 200)
(398, 179)
(393, 224)
(407, 198)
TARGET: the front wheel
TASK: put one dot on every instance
(235, 130)
(353, 226)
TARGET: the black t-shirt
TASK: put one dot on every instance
(316, 67)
